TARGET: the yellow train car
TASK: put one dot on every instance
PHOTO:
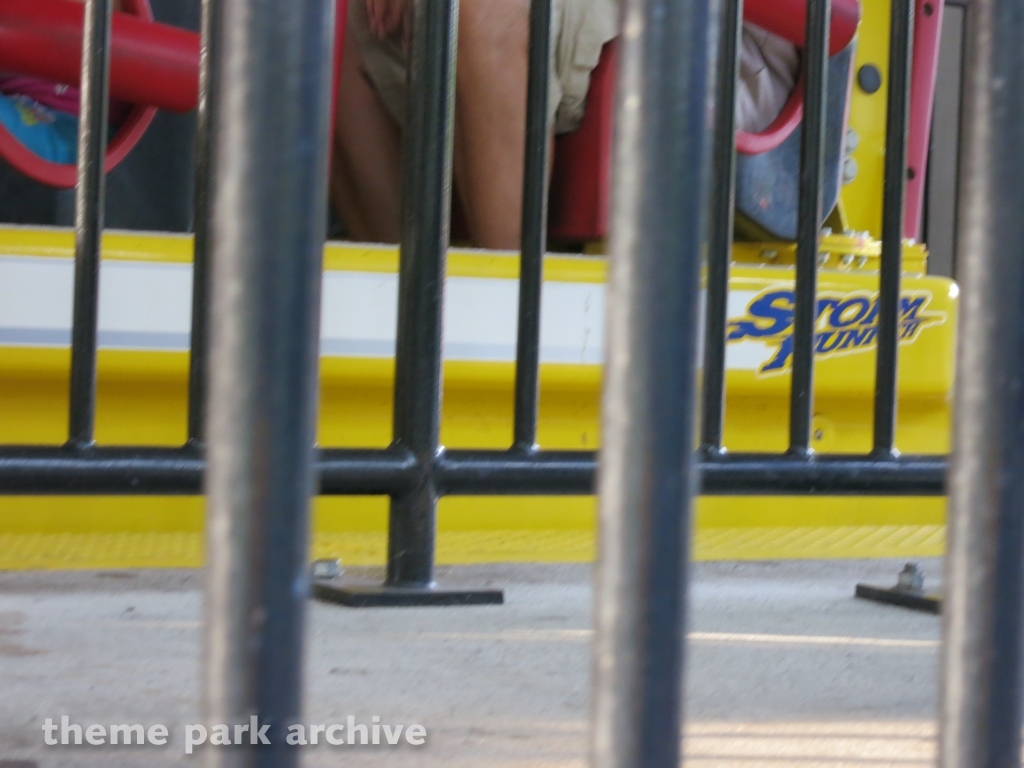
(143, 336)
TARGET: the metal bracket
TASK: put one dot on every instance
(382, 596)
(908, 592)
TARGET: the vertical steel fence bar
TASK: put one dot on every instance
(980, 710)
(209, 56)
(809, 216)
(268, 235)
(901, 35)
(646, 477)
(534, 227)
(89, 196)
(426, 213)
(720, 226)
(426, 196)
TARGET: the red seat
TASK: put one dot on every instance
(580, 180)
(152, 66)
(580, 176)
(580, 183)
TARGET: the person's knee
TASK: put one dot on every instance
(494, 31)
(352, 62)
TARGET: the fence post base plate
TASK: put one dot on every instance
(381, 596)
(917, 601)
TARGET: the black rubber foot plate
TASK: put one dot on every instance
(356, 596)
(917, 601)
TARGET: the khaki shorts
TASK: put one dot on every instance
(580, 28)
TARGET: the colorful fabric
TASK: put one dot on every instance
(51, 134)
(769, 66)
(58, 97)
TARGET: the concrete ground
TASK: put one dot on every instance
(784, 668)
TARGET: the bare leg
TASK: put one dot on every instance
(489, 133)
(490, 116)
(366, 175)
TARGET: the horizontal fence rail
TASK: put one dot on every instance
(386, 471)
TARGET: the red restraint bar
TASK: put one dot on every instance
(150, 64)
(787, 19)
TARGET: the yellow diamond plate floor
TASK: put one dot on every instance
(24, 551)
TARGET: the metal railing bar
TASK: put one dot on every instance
(558, 472)
(646, 482)
(809, 217)
(721, 223)
(823, 474)
(481, 472)
(209, 56)
(534, 227)
(366, 472)
(95, 470)
(901, 36)
(426, 195)
(982, 674)
(270, 196)
(179, 471)
(89, 200)
(355, 471)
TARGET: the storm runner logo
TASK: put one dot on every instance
(846, 323)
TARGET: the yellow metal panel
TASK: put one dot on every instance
(142, 401)
(352, 257)
(185, 550)
(862, 198)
